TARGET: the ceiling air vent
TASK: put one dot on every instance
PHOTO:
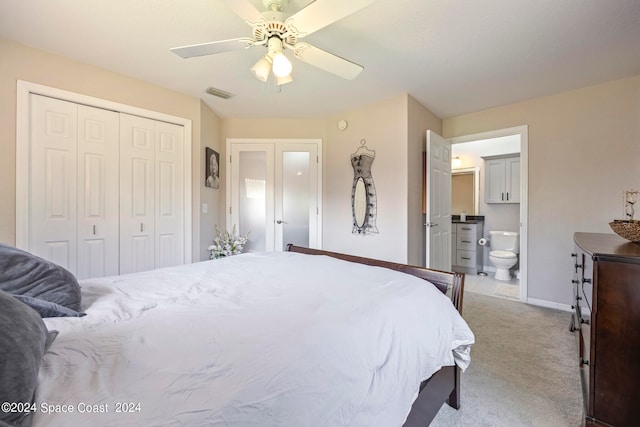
(219, 93)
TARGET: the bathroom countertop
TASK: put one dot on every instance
(471, 219)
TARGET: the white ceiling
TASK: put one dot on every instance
(453, 56)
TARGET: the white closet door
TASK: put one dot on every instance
(137, 193)
(169, 218)
(98, 169)
(53, 171)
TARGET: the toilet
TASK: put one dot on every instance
(504, 252)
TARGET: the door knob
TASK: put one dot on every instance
(431, 224)
(279, 221)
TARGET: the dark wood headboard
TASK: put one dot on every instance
(443, 280)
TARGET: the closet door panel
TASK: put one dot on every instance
(137, 184)
(52, 181)
(169, 219)
(98, 194)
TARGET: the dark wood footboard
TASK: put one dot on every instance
(444, 385)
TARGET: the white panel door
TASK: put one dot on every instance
(438, 209)
(137, 194)
(53, 180)
(98, 201)
(169, 217)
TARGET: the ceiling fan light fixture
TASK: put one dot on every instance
(283, 80)
(262, 68)
(281, 65)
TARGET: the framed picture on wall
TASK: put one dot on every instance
(212, 170)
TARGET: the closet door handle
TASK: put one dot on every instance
(141, 226)
(94, 230)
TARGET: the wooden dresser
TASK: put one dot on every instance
(606, 319)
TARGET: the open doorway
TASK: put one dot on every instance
(496, 144)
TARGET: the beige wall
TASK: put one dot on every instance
(384, 127)
(18, 62)
(419, 121)
(584, 148)
(395, 129)
(209, 137)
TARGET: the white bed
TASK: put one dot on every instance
(259, 339)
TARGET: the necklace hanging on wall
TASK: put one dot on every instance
(363, 192)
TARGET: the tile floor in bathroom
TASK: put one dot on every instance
(487, 285)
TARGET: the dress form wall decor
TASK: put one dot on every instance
(363, 192)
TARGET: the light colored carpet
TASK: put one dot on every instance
(524, 368)
(508, 291)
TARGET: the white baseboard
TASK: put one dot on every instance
(549, 304)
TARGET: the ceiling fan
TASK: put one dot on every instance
(277, 31)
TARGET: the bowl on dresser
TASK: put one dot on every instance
(627, 228)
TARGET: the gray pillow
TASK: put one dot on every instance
(46, 308)
(23, 341)
(22, 273)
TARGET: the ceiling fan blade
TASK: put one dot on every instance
(244, 10)
(321, 13)
(327, 61)
(212, 47)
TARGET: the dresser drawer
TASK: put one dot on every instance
(466, 241)
(466, 258)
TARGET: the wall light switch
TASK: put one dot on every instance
(205, 208)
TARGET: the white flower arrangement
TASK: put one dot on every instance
(227, 244)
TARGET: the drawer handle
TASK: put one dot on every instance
(466, 228)
(468, 259)
(465, 241)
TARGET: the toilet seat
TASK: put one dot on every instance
(503, 254)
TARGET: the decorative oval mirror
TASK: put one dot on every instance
(360, 203)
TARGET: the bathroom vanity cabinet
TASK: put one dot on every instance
(606, 321)
(466, 253)
(502, 179)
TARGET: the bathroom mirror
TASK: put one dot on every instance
(465, 191)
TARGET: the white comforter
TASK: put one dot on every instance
(273, 339)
